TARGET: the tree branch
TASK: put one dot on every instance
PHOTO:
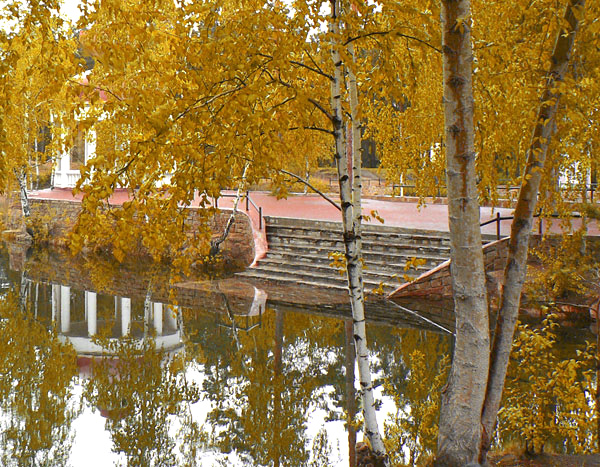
(385, 33)
(323, 195)
(321, 108)
(315, 70)
(316, 128)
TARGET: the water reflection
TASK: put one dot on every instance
(114, 322)
(37, 406)
(104, 364)
(227, 380)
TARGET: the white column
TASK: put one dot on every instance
(55, 301)
(158, 318)
(65, 308)
(125, 315)
(62, 167)
(65, 161)
(172, 312)
(91, 301)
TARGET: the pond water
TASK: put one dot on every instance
(109, 365)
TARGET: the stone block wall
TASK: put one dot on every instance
(59, 216)
(437, 283)
(131, 280)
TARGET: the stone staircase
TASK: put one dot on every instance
(299, 253)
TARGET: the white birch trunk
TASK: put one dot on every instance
(22, 181)
(516, 267)
(462, 399)
(352, 241)
(214, 247)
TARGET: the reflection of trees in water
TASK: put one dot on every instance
(549, 400)
(141, 391)
(414, 365)
(36, 377)
(263, 391)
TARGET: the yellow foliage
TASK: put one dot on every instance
(566, 265)
(37, 374)
(548, 400)
(414, 427)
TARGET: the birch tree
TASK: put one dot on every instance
(514, 273)
(350, 197)
(462, 399)
(504, 107)
(38, 63)
(271, 85)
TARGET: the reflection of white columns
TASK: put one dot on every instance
(55, 301)
(158, 318)
(125, 315)
(65, 308)
(172, 312)
(90, 307)
(259, 303)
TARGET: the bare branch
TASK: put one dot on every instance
(316, 128)
(321, 108)
(315, 70)
(323, 195)
(385, 33)
(98, 88)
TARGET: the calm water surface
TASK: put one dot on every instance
(109, 367)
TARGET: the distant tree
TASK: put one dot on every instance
(38, 69)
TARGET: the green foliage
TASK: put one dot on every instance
(548, 401)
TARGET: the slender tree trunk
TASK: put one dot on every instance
(350, 393)
(277, 387)
(516, 267)
(23, 291)
(37, 165)
(147, 308)
(306, 177)
(351, 238)
(459, 436)
(22, 181)
(598, 376)
(356, 152)
(215, 244)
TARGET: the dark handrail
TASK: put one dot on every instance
(499, 219)
(248, 200)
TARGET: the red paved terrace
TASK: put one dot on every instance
(312, 206)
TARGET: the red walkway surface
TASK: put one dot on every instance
(395, 213)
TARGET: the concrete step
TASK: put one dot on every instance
(306, 267)
(372, 261)
(407, 248)
(255, 273)
(392, 237)
(314, 278)
(299, 254)
(275, 222)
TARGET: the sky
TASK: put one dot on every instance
(70, 9)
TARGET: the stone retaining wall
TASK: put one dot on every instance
(437, 283)
(60, 216)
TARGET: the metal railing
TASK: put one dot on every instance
(497, 220)
(500, 218)
(249, 201)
